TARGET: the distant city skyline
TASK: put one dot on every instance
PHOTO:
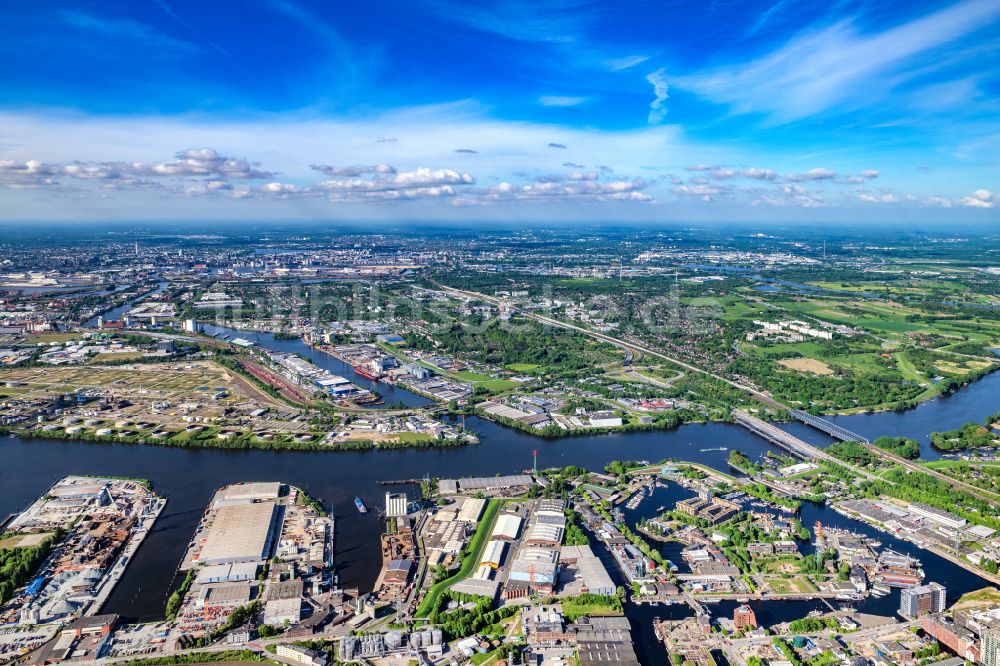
(561, 109)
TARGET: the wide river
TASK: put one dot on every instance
(188, 477)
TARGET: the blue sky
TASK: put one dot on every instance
(721, 110)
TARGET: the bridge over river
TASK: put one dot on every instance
(830, 428)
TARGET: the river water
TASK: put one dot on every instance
(189, 477)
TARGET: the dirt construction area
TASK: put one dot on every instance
(809, 365)
(162, 380)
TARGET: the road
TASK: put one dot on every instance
(628, 347)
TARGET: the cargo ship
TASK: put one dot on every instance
(361, 370)
(361, 505)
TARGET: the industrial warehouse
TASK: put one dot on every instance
(233, 561)
(239, 526)
(522, 554)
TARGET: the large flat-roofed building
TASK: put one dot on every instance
(515, 481)
(507, 528)
(604, 640)
(472, 509)
(938, 516)
(227, 594)
(594, 577)
(479, 584)
(247, 492)
(494, 554)
(283, 611)
(227, 573)
(530, 577)
(240, 533)
(544, 535)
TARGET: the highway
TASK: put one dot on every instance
(803, 449)
(630, 348)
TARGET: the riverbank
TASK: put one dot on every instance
(244, 442)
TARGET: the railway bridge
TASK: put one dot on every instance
(830, 428)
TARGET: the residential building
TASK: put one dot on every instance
(922, 600)
(744, 618)
(301, 655)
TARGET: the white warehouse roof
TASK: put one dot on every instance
(493, 555)
(239, 533)
(472, 509)
(508, 527)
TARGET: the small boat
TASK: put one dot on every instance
(721, 448)
(361, 505)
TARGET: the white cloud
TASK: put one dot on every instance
(839, 67)
(978, 199)
(424, 177)
(561, 100)
(758, 173)
(69, 157)
(813, 174)
(157, 45)
(703, 192)
(199, 162)
(193, 162)
(628, 62)
(586, 190)
(353, 171)
(878, 198)
(789, 194)
(661, 91)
